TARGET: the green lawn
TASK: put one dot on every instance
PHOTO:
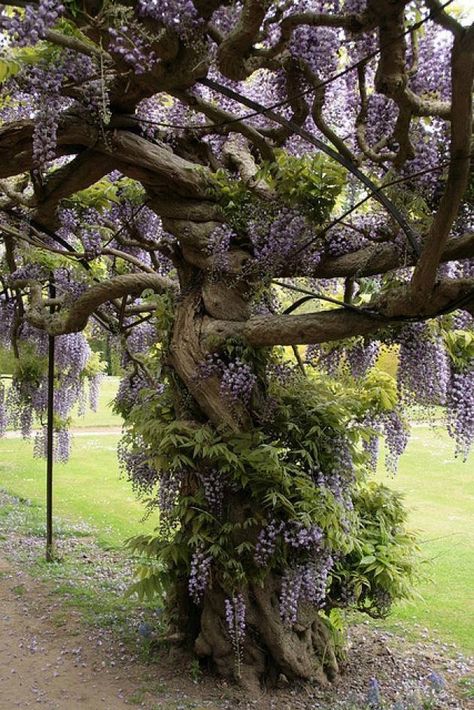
(439, 492)
(87, 488)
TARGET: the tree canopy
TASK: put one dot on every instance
(207, 182)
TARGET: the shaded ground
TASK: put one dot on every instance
(68, 640)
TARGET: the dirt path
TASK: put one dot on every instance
(43, 663)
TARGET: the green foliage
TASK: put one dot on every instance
(382, 565)
(311, 183)
(236, 200)
(29, 367)
(50, 261)
(460, 346)
(378, 393)
(15, 58)
(98, 196)
(102, 194)
(270, 471)
(7, 362)
(94, 366)
(374, 394)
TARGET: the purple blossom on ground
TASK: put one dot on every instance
(374, 698)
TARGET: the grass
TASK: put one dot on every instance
(439, 491)
(88, 488)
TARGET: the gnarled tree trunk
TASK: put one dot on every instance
(270, 648)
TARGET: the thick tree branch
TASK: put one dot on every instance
(458, 174)
(361, 120)
(75, 318)
(326, 326)
(238, 154)
(307, 136)
(219, 116)
(380, 258)
(262, 331)
(352, 23)
(391, 77)
(16, 142)
(169, 170)
(234, 52)
(86, 169)
(443, 18)
(76, 44)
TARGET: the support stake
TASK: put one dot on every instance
(50, 441)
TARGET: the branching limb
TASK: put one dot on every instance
(326, 326)
(86, 169)
(76, 316)
(462, 64)
(235, 50)
(443, 18)
(166, 169)
(361, 121)
(352, 23)
(238, 154)
(219, 116)
(15, 197)
(76, 44)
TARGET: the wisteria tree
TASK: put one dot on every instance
(215, 183)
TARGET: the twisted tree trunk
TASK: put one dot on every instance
(270, 648)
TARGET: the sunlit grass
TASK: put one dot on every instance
(87, 488)
(439, 492)
(104, 416)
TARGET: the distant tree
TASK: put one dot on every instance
(168, 171)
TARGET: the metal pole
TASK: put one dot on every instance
(50, 442)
